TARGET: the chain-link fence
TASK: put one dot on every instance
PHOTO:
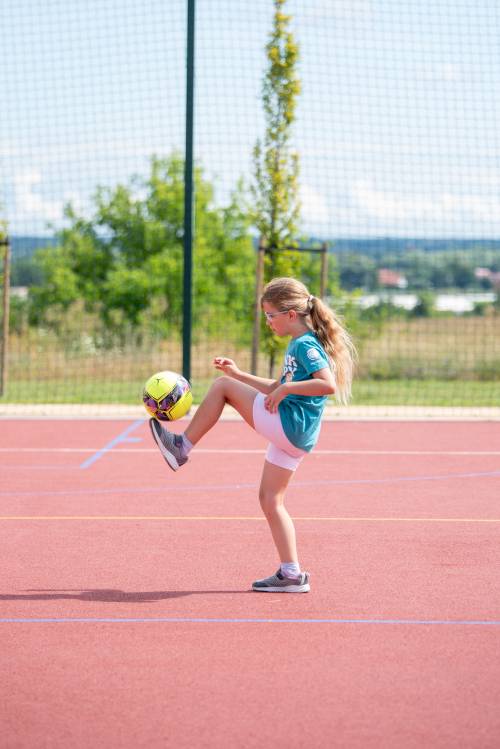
(395, 135)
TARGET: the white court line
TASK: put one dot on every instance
(246, 451)
(242, 518)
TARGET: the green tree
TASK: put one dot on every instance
(357, 271)
(276, 206)
(425, 306)
(124, 264)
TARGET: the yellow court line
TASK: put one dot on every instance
(248, 517)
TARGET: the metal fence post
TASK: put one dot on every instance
(259, 285)
(324, 270)
(5, 317)
(188, 197)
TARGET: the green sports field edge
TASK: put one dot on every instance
(365, 393)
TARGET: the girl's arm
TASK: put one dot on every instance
(322, 382)
(229, 368)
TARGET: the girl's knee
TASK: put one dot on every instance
(221, 383)
(219, 386)
(269, 501)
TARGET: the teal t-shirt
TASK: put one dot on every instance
(301, 414)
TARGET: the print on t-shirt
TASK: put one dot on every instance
(289, 368)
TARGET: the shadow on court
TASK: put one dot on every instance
(112, 596)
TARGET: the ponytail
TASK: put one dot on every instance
(337, 343)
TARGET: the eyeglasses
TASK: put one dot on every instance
(272, 315)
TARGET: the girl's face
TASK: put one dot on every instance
(278, 321)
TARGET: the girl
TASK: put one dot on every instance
(318, 362)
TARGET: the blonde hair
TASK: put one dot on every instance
(290, 294)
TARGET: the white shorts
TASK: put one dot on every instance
(280, 451)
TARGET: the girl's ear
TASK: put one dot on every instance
(293, 314)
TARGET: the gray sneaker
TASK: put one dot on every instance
(170, 445)
(278, 583)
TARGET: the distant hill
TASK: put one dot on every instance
(25, 246)
(387, 245)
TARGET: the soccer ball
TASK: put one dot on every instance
(167, 396)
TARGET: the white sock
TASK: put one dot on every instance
(187, 446)
(290, 569)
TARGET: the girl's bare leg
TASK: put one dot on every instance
(223, 390)
(271, 495)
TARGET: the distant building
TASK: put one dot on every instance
(391, 279)
(19, 291)
(482, 273)
(485, 274)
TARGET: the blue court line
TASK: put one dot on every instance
(397, 479)
(238, 487)
(207, 620)
(123, 437)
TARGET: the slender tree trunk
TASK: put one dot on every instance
(4, 356)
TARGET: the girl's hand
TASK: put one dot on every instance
(228, 366)
(274, 398)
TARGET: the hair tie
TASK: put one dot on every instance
(311, 299)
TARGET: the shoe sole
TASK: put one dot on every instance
(288, 589)
(169, 458)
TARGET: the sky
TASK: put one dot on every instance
(397, 126)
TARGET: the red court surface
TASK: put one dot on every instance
(127, 618)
